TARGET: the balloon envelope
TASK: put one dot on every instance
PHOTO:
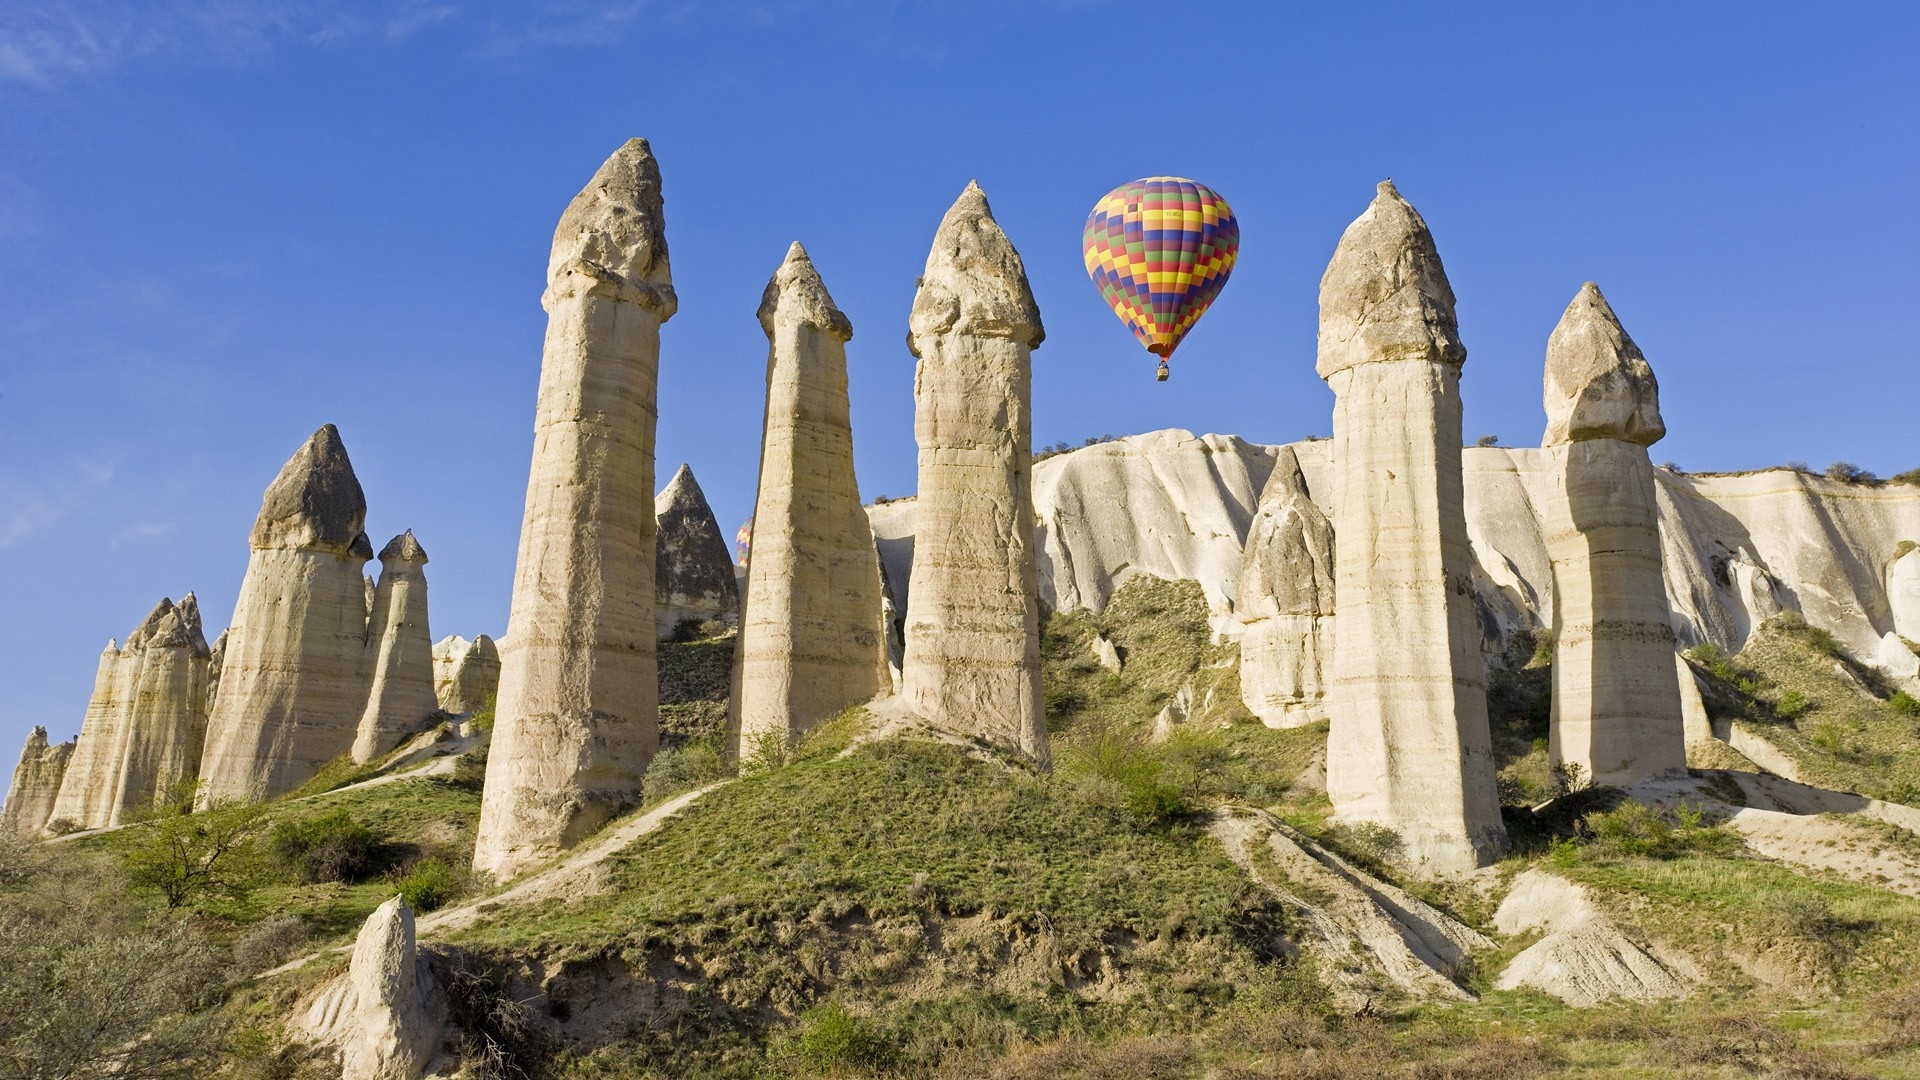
(1159, 250)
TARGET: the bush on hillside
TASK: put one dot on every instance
(331, 847)
(431, 882)
(1846, 472)
(1911, 476)
(1635, 830)
(186, 858)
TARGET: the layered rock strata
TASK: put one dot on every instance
(1409, 746)
(577, 719)
(812, 633)
(145, 724)
(466, 674)
(972, 660)
(384, 1017)
(692, 568)
(1286, 602)
(293, 682)
(36, 784)
(1616, 701)
(399, 652)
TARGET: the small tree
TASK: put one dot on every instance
(1848, 473)
(185, 857)
(1487, 440)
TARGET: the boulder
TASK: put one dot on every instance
(36, 783)
(578, 712)
(972, 662)
(692, 568)
(384, 1018)
(401, 699)
(1409, 747)
(812, 633)
(293, 681)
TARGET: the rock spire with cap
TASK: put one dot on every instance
(577, 718)
(972, 660)
(692, 567)
(1617, 709)
(811, 635)
(1409, 746)
(1286, 601)
(400, 698)
(466, 674)
(293, 680)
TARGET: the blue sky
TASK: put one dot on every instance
(226, 222)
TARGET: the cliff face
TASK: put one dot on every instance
(36, 783)
(1737, 548)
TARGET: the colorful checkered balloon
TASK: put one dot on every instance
(1159, 250)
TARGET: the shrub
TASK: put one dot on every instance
(1806, 913)
(1791, 706)
(1637, 830)
(1569, 777)
(1846, 472)
(682, 768)
(331, 847)
(1911, 476)
(1367, 844)
(267, 944)
(470, 772)
(1487, 440)
(431, 883)
(832, 1039)
(184, 858)
(61, 826)
(1905, 704)
(1113, 769)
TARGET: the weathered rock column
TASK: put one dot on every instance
(1409, 746)
(91, 782)
(166, 724)
(973, 616)
(1616, 698)
(1286, 602)
(693, 576)
(36, 784)
(400, 649)
(292, 679)
(811, 639)
(384, 1017)
(578, 715)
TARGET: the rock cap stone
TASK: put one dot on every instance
(315, 502)
(404, 548)
(974, 282)
(797, 293)
(1385, 294)
(1598, 385)
(614, 232)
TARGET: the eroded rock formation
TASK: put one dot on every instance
(972, 630)
(400, 652)
(145, 724)
(36, 784)
(1286, 602)
(1409, 746)
(466, 674)
(578, 714)
(692, 568)
(812, 640)
(384, 1017)
(1616, 701)
(293, 681)
(1903, 590)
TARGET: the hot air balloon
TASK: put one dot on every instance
(743, 541)
(1159, 250)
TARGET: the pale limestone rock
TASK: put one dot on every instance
(1903, 591)
(1583, 959)
(385, 1016)
(972, 635)
(36, 784)
(1616, 703)
(466, 674)
(1695, 722)
(1107, 654)
(692, 568)
(1897, 657)
(90, 784)
(1409, 746)
(577, 719)
(1286, 602)
(399, 652)
(292, 680)
(215, 658)
(812, 637)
